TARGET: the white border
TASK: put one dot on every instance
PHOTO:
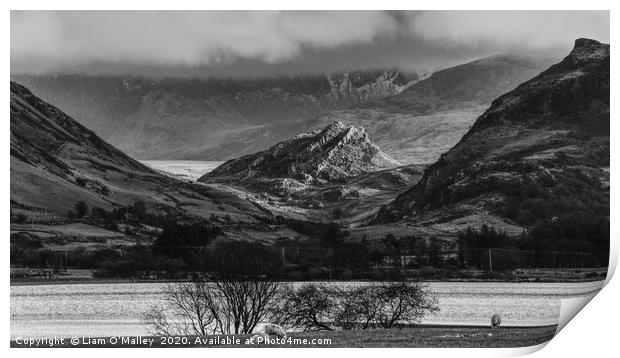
(312, 5)
(593, 330)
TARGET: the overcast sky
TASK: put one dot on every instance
(259, 43)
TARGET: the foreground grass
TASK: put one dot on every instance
(422, 336)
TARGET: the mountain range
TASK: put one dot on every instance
(167, 118)
(220, 119)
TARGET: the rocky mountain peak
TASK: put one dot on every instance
(333, 136)
(336, 152)
(573, 93)
(588, 49)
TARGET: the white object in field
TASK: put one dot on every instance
(274, 330)
(496, 320)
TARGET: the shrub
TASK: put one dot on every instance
(404, 301)
(98, 212)
(337, 213)
(81, 209)
(81, 182)
(185, 240)
(138, 209)
(308, 307)
(321, 307)
(21, 218)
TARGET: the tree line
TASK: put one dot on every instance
(181, 248)
(214, 304)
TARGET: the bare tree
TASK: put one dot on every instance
(402, 301)
(243, 303)
(214, 304)
(308, 307)
(357, 307)
(320, 307)
(187, 309)
(348, 310)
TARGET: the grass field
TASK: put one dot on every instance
(416, 337)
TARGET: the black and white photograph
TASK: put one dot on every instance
(306, 178)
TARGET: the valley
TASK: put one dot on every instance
(395, 164)
(189, 170)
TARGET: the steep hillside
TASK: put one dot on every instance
(539, 151)
(56, 162)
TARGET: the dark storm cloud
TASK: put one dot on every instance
(270, 43)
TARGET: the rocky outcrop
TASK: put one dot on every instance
(539, 151)
(472, 84)
(335, 153)
(351, 89)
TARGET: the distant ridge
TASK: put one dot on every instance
(471, 84)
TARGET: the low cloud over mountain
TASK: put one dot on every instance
(268, 42)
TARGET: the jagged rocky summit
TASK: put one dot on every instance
(335, 153)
